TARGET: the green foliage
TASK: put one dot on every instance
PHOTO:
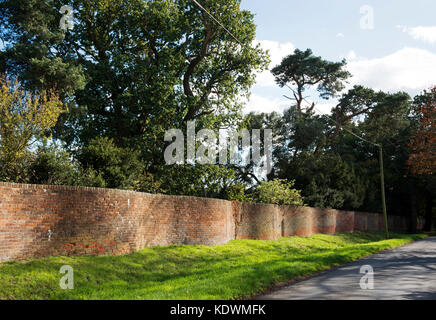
(238, 269)
(24, 117)
(304, 70)
(200, 180)
(178, 57)
(385, 113)
(147, 183)
(237, 192)
(17, 170)
(184, 67)
(303, 154)
(251, 173)
(88, 177)
(296, 132)
(279, 192)
(119, 167)
(326, 181)
(53, 166)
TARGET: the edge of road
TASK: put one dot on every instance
(283, 285)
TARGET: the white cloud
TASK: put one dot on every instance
(260, 104)
(426, 34)
(265, 79)
(320, 108)
(340, 35)
(408, 69)
(324, 108)
(351, 55)
(277, 52)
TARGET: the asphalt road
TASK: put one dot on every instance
(405, 273)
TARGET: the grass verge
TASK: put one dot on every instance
(236, 270)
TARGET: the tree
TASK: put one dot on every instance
(374, 110)
(423, 143)
(326, 180)
(298, 133)
(422, 158)
(133, 69)
(304, 70)
(24, 117)
(331, 166)
(251, 172)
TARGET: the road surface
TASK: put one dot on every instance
(405, 273)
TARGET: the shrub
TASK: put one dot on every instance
(279, 192)
(148, 183)
(88, 177)
(55, 166)
(118, 167)
(52, 166)
(237, 193)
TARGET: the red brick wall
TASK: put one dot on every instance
(40, 221)
(258, 221)
(305, 221)
(37, 221)
(372, 222)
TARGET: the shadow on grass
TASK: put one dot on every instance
(239, 269)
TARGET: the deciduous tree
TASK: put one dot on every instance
(423, 143)
(24, 116)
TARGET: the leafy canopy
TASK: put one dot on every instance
(134, 68)
(423, 143)
(304, 70)
(24, 117)
(279, 192)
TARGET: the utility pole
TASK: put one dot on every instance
(382, 180)
(382, 175)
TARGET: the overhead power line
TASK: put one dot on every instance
(337, 124)
(349, 131)
(382, 175)
(345, 129)
(217, 21)
(236, 39)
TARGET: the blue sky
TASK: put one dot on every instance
(397, 52)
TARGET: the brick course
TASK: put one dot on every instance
(41, 220)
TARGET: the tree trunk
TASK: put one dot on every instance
(429, 213)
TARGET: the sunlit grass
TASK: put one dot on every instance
(236, 270)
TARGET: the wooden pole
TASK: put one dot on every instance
(382, 180)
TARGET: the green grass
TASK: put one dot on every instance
(236, 270)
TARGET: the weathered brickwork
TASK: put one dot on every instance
(38, 221)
